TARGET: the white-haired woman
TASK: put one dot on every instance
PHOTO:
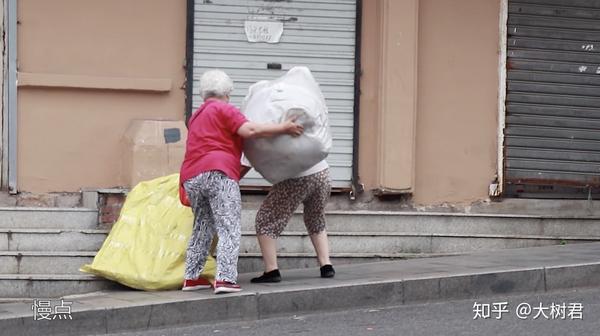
(209, 180)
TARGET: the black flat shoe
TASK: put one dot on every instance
(327, 271)
(266, 277)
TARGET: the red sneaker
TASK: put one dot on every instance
(226, 287)
(200, 283)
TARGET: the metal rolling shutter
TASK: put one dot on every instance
(552, 135)
(317, 34)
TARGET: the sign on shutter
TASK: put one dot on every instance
(258, 40)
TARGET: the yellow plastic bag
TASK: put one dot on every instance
(146, 247)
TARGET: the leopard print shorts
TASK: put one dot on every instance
(285, 197)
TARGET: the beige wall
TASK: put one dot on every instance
(457, 99)
(398, 75)
(457, 89)
(90, 68)
(388, 101)
(370, 81)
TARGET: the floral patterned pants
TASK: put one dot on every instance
(284, 198)
(217, 206)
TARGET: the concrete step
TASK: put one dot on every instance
(51, 218)
(403, 242)
(51, 286)
(55, 280)
(446, 223)
(44, 230)
(344, 221)
(478, 277)
(35, 274)
(252, 262)
(51, 239)
(15, 240)
(41, 262)
(69, 262)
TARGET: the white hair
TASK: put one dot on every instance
(215, 83)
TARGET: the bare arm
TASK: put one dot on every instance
(258, 130)
(244, 170)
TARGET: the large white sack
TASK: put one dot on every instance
(294, 94)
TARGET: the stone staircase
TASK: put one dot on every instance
(359, 236)
(42, 249)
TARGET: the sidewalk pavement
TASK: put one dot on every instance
(471, 276)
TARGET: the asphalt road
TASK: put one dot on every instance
(561, 313)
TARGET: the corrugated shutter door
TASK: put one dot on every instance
(316, 34)
(552, 134)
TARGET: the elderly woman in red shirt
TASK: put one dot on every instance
(209, 179)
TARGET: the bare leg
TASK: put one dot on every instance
(272, 217)
(268, 248)
(321, 246)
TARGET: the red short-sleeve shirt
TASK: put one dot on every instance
(213, 142)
